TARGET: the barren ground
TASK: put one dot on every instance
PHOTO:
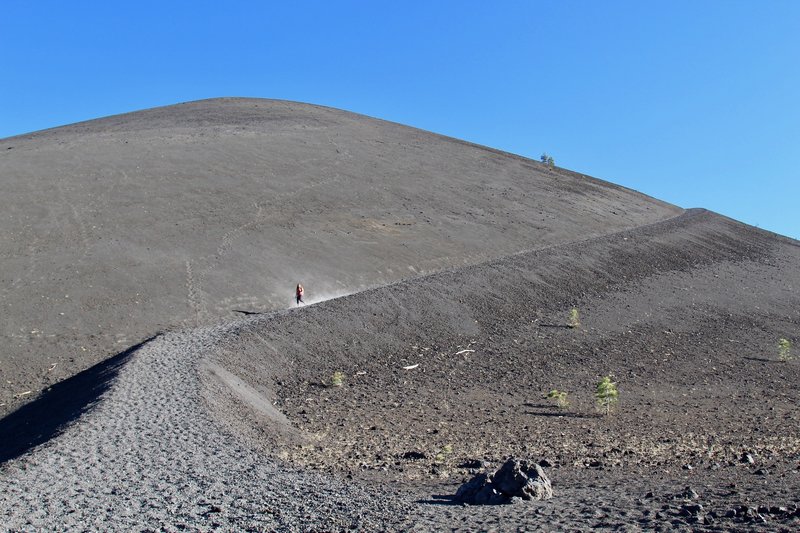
(685, 314)
(116, 228)
(450, 329)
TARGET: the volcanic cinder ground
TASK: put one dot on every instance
(140, 393)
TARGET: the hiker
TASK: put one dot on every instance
(298, 293)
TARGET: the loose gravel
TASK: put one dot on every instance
(149, 458)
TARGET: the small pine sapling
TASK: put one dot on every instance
(560, 397)
(606, 394)
(337, 379)
(785, 349)
(574, 318)
(444, 453)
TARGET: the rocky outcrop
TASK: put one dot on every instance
(515, 479)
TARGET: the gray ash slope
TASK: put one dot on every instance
(119, 227)
(234, 426)
(684, 312)
(450, 369)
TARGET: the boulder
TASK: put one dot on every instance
(515, 479)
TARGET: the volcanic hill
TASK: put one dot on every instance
(440, 279)
(116, 228)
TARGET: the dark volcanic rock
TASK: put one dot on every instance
(687, 494)
(480, 491)
(523, 479)
(691, 510)
(515, 479)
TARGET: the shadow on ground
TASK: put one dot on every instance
(441, 499)
(39, 421)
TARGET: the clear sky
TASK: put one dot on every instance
(694, 102)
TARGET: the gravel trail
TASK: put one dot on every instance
(148, 457)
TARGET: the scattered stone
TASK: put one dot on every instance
(473, 464)
(691, 509)
(751, 514)
(761, 472)
(516, 478)
(747, 458)
(687, 494)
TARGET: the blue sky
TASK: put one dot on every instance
(694, 102)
